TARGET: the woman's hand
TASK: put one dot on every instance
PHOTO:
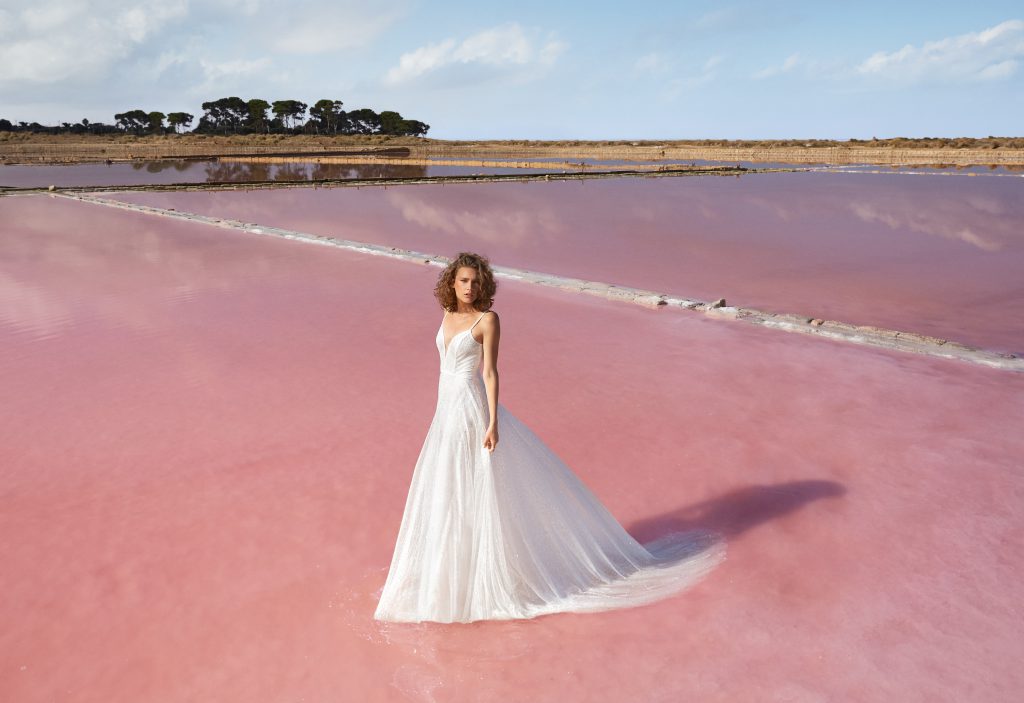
(491, 438)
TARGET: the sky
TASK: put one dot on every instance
(535, 70)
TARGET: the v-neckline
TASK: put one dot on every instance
(449, 345)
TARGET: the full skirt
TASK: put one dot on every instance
(515, 533)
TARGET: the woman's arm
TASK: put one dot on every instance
(490, 328)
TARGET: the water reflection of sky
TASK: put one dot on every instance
(169, 171)
(939, 256)
(929, 168)
(177, 171)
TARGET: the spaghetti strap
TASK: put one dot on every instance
(478, 319)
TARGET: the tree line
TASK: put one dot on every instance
(237, 116)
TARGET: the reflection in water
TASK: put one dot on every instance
(492, 221)
(169, 171)
(939, 256)
(52, 250)
(30, 308)
(897, 216)
(236, 172)
(162, 165)
(430, 661)
(437, 661)
(983, 218)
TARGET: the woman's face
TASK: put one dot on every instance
(466, 285)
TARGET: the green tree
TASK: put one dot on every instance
(364, 121)
(132, 121)
(179, 119)
(414, 128)
(327, 116)
(257, 120)
(288, 111)
(390, 122)
(223, 115)
(156, 121)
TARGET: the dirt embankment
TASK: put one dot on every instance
(29, 148)
(384, 159)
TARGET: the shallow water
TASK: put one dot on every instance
(207, 438)
(180, 171)
(998, 169)
(168, 171)
(942, 256)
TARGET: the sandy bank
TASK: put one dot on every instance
(28, 148)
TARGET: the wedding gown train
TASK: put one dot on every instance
(515, 533)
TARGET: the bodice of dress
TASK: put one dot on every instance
(464, 353)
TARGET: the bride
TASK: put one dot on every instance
(498, 529)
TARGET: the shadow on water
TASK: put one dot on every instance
(441, 660)
(737, 511)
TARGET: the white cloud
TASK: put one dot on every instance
(675, 77)
(216, 71)
(711, 63)
(707, 73)
(507, 45)
(422, 60)
(997, 71)
(41, 19)
(788, 65)
(990, 54)
(652, 63)
(719, 18)
(746, 17)
(330, 27)
(72, 41)
(140, 21)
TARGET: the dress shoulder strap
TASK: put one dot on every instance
(479, 318)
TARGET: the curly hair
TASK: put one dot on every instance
(444, 292)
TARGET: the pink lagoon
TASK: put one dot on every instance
(208, 436)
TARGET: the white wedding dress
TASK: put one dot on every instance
(515, 533)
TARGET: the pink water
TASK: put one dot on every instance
(207, 437)
(166, 171)
(942, 256)
(180, 171)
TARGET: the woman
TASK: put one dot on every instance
(496, 530)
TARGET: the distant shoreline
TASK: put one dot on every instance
(18, 148)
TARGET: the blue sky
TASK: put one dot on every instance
(535, 70)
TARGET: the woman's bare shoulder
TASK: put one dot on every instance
(490, 320)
